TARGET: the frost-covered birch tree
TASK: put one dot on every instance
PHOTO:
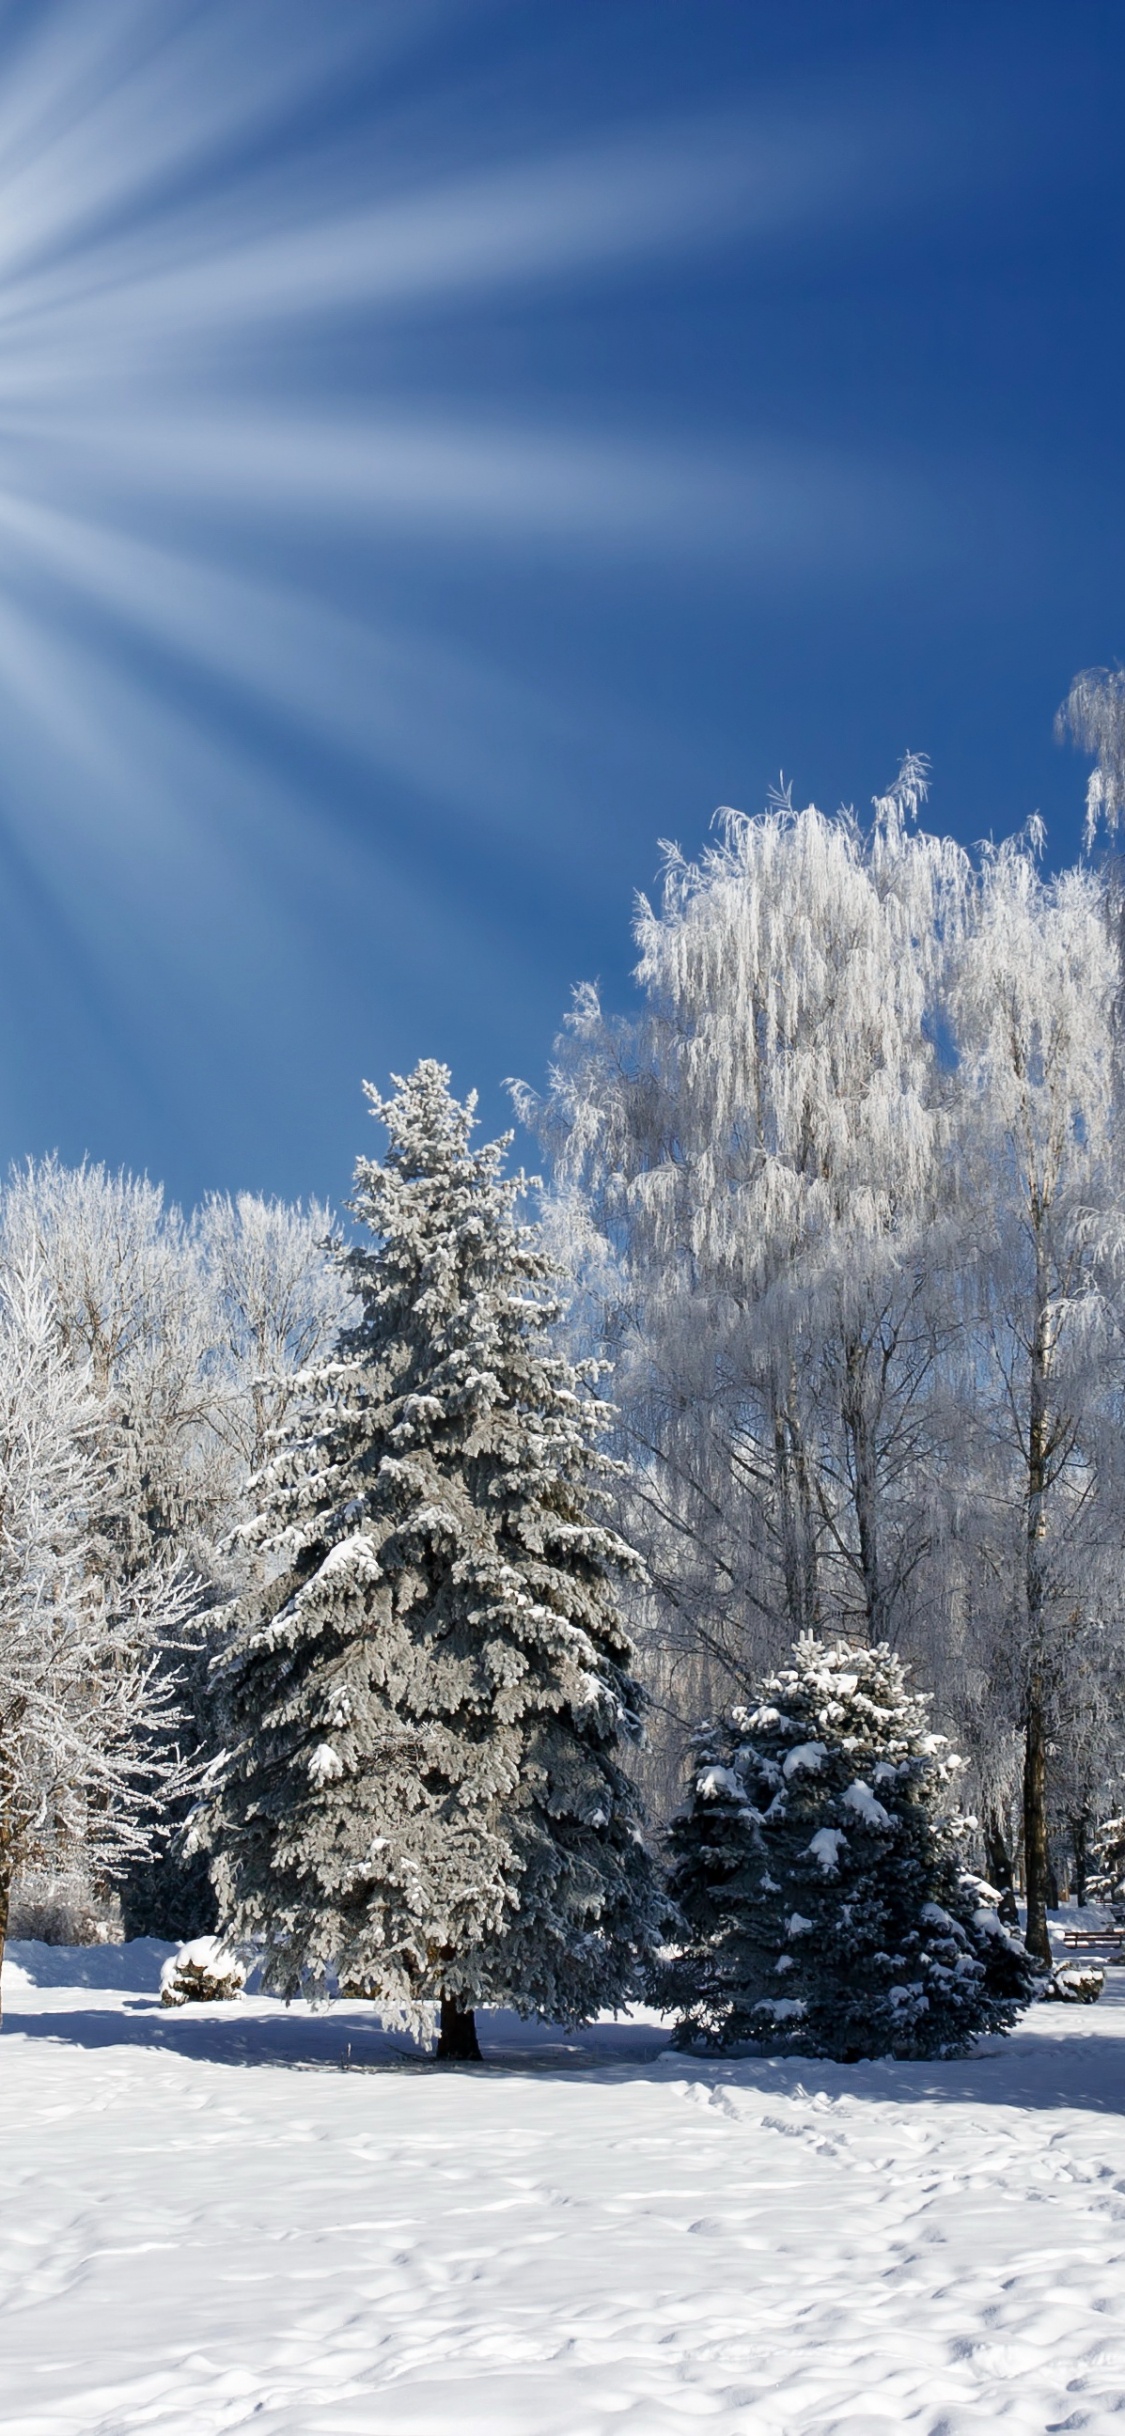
(85, 1722)
(427, 1708)
(848, 1201)
(1035, 998)
(275, 1302)
(756, 1165)
(185, 1338)
(132, 1318)
(191, 1334)
(1094, 716)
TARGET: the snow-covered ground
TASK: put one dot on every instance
(207, 2223)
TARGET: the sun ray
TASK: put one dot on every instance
(193, 713)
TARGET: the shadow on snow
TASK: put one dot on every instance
(1081, 2067)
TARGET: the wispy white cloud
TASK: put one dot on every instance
(764, 505)
(670, 189)
(195, 876)
(102, 109)
(398, 702)
(164, 256)
(128, 366)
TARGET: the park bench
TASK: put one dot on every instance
(1083, 1939)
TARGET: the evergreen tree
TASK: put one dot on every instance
(827, 1910)
(425, 1709)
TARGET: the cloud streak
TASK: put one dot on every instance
(520, 224)
(194, 241)
(764, 506)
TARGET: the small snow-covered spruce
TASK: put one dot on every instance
(1073, 1983)
(825, 1905)
(201, 1972)
(425, 1710)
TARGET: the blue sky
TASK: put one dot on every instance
(447, 446)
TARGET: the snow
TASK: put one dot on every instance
(200, 1971)
(209, 2226)
(825, 1846)
(325, 1764)
(809, 1755)
(715, 1781)
(860, 1798)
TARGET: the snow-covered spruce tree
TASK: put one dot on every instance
(425, 1709)
(827, 1910)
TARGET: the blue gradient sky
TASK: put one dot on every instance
(447, 446)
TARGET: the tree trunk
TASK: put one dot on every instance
(457, 2040)
(798, 1547)
(1037, 1859)
(1037, 1862)
(1080, 1843)
(865, 1494)
(6, 1874)
(998, 1861)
